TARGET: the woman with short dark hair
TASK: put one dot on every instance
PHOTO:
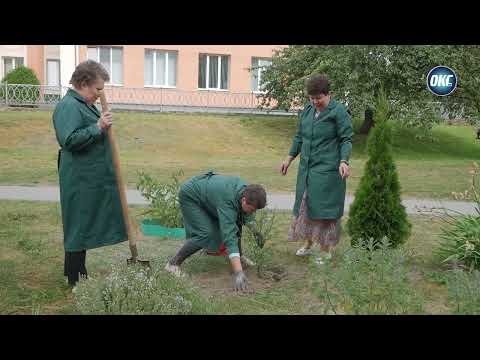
(89, 197)
(324, 142)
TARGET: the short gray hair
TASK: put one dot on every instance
(88, 72)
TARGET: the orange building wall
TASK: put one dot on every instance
(36, 60)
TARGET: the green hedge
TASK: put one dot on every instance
(21, 75)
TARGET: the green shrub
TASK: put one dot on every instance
(163, 198)
(261, 256)
(21, 75)
(19, 95)
(370, 279)
(377, 210)
(135, 289)
(460, 236)
(460, 241)
(464, 291)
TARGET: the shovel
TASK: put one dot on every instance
(132, 241)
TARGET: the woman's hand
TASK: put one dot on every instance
(344, 170)
(105, 121)
(285, 165)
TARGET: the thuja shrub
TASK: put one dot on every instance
(377, 210)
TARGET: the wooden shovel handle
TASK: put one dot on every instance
(118, 173)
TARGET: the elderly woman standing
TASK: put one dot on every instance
(324, 141)
(90, 202)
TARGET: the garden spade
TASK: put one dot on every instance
(132, 239)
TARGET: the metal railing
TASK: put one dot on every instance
(29, 95)
(150, 99)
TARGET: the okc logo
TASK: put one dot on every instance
(442, 81)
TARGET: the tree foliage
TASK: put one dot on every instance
(356, 72)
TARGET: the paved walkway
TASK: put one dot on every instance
(275, 201)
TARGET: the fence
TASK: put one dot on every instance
(149, 99)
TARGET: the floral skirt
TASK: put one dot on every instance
(324, 232)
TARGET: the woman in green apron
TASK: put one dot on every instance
(90, 202)
(324, 142)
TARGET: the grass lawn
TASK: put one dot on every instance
(32, 282)
(246, 145)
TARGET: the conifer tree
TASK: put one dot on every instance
(377, 210)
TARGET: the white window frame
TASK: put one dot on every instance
(155, 53)
(110, 83)
(59, 71)
(259, 79)
(14, 63)
(219, 73)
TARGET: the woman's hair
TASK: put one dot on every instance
(255, 195)
(87, 73)
(317, 84)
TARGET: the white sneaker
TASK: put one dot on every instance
(175, 270)
(304, 251)
(320, 260)
(246, 261)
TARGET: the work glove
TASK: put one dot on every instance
(239, 281)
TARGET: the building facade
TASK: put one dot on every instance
(192, 75)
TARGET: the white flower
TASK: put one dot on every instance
(469, 246)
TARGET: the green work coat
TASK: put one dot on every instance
(322, 143)
(90, 201)
(212, 211)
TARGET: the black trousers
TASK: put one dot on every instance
(74, 266)
(189, 248)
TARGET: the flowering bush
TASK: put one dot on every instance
(138, 290)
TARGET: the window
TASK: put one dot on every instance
(258, 66)
(53, 72)
(213, 72)
(160, 68)
(10, 63)
(112, 59)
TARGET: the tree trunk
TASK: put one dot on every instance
(368, 123)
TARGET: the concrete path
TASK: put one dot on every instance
(275, 200)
